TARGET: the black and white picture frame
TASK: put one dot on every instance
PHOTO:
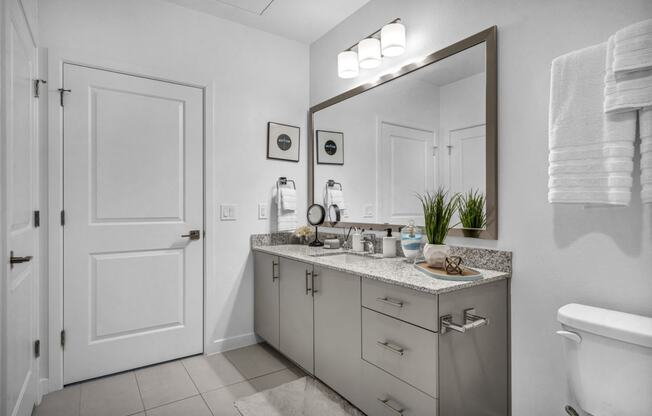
(283, 142)
(330, 147)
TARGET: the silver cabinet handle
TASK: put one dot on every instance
(390, 347)
(471, 321)
(307, 287)
(390, 301)
(274, 266)
(385, 403)
(313, 283)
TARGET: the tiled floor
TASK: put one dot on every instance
(195, 386)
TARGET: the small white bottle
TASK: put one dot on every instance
(389, 244)
(356, 241)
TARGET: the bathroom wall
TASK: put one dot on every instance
(562, 254)
(258, 77)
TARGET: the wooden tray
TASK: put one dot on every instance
(468, 274)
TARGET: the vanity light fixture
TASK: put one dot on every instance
(347, 64)
(368, 53)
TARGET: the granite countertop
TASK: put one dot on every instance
(394, 271)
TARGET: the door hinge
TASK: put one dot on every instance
(37, 219)
(63, 218)
(37, 348)
(37, 83)
(61, 92)
(434, 150)
(450, 149)
(63, 338)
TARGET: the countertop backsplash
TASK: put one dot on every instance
(490, 259)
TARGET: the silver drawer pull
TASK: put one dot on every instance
(471, 321)
(390, 347)
(385, 403)
(390, 301)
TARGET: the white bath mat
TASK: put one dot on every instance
(303, 397)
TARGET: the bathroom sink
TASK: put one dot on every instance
(350, 258)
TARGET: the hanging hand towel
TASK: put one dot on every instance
(628, 91)
(590, 152)
(288, 199)
(286, 218)
(633, 48)
(335, 197)
(645, 123)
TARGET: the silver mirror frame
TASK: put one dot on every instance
(488, 36)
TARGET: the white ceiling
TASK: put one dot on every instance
(301, 20)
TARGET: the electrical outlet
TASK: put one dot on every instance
(262, 211)
(228, 212)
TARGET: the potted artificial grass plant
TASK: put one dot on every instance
(471, 210)
(438, 209)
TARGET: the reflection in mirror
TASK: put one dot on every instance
(412, 135)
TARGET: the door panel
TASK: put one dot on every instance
(407, 166)
(467, 159)
(21, 188)
(296, 312)
(133, 185)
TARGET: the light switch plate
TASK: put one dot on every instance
(228, 212)
(262, 211)
(369, 211)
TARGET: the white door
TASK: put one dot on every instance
(21, 191)
(133, 186)
(467, 159)
(406, 167)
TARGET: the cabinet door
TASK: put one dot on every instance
(296, 312)
(474, 366)
(337, 331)
(266, 297)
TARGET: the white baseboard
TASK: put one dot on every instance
(44, 388)
(231, 343)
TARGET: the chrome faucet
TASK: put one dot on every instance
(368, 240)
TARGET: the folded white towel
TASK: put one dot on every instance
(626, 91)
(286, 219)
(633, 48)
(645, 128)
(333, 196)
(590, 152)
(288, 199)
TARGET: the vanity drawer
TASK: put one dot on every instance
(385, 395)
(402, 303)
(401, 349)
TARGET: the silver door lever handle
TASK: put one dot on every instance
(193, 235)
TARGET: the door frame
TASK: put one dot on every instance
(56, 58)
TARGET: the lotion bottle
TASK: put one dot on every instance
(389, 244)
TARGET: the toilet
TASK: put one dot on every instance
(608, 360)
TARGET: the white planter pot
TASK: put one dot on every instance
(435, 254)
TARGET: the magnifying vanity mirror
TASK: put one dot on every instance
(316, 215)
(431, 124)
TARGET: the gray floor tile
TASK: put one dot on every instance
(257, 360)
(111, 396)
(220, 401)
(164, 383)
(269, 381)
(60, 403)
(212, 372)
(193, 406)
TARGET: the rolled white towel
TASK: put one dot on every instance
(633, 48)
(590, 152)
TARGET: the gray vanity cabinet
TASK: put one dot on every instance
(296, 312)
(473, 366)
(266, 297)
(337, 331)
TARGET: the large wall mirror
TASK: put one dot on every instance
(432, 124)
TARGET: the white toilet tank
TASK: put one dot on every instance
(608, 360)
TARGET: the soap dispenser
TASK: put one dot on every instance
(389, 244)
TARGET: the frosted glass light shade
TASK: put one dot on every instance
(392, 38)
(347, 64)
(369, 53)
